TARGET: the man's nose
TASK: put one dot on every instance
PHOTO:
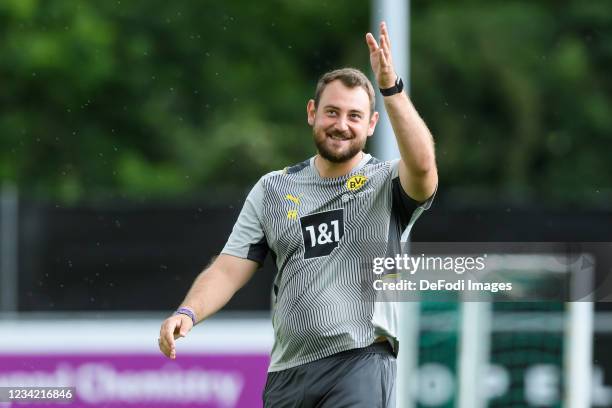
(341, 124)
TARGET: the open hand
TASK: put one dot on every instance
(380, 58)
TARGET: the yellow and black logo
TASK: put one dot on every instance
(356, 182)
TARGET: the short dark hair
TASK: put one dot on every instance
(351, 78)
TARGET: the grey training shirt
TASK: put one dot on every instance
(323, 234)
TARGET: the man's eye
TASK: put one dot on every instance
(331, 113)
(356, 116)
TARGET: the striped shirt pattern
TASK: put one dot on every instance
(323, 234)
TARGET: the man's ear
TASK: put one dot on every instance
(372, 124)
(311, 111)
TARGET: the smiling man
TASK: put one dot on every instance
(323, 220)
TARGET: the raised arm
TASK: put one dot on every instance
(210, 291)
(417, 170)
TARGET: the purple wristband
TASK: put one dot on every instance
(188, 312)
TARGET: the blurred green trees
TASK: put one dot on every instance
(154, 99)
(518, 95)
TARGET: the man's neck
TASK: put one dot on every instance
(328, 169)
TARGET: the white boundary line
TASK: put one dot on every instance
(78, 336)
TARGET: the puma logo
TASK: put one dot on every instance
(293, 198)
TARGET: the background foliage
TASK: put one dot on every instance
(144, 99)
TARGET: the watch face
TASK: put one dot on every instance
(397, 88)
(399, 84)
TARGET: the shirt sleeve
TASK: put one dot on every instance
(248, 239)
(406, 209)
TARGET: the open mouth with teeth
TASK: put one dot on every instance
(336, 136)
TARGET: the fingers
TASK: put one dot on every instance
(166, 336)
(371, 41)
(385, 43)
(173, 328)
(384, 62)
(384, 39)
(385, 33)
(388, 58)
(166, 350)
(380, 57)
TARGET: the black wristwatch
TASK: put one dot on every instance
(395, 89)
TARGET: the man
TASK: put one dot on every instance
(321, 219)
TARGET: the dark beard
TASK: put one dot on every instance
(333, 157)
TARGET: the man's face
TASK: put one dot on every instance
(342, 122)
